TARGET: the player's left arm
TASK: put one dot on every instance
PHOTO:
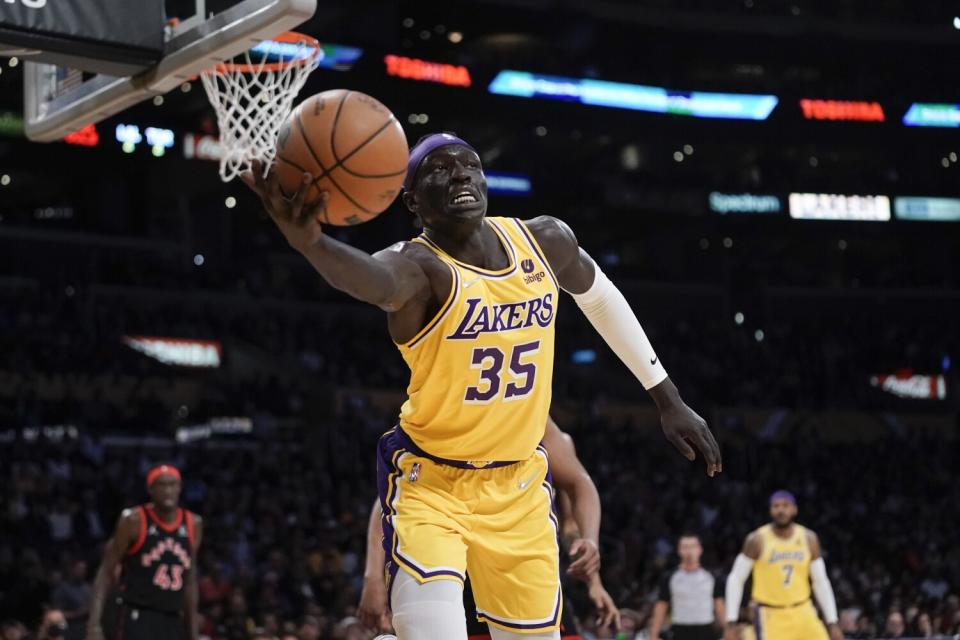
(719, 606)
(610, 314)
(570, 477)
(822, 589)
(191, 594)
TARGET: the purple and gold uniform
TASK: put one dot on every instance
(464, 484)
(781, 588)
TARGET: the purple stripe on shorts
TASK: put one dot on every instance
(391, 446)
(387, 450)
(527, 625)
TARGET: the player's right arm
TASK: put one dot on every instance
(742, 566)
(124, 536)
(372, 610)
(387, 279)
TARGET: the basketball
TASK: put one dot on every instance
(353, 146)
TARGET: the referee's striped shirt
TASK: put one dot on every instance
(691, 596)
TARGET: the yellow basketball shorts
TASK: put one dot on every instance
(443, 519)
(799, 622)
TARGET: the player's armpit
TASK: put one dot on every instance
(405, 279)
(572, 265)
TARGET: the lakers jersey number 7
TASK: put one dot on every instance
(481, 370)
(781, 575)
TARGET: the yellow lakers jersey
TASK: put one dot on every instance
(481, 370)
(781, 576)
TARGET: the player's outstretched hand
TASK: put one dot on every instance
(372, 610)
(683, 428)
(835, 632)
(299, 222)
(585, 558)
(607, 612)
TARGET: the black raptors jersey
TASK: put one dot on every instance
(157, 565)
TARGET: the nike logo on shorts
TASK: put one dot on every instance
(523, 484)
(653, 360)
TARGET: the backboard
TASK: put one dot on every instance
(59, 99)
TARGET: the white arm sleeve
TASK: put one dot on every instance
(823, 591)
(610, 314)
(734, 592)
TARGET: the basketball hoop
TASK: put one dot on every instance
(254, 95)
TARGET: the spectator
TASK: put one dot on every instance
(895, 627)
(72, 597)
(310, 629)
(53, 625)
(61, 521)
(865, 628)
(89, 522)
(238, 624)
(13, 630)
(213, 586)
(921, 627)
(350, 628)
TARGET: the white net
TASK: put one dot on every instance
(254, 96)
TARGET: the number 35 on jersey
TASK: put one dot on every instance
(481, 370)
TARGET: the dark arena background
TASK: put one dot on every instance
(772, 184)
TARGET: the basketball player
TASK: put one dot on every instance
(471, 305)
(785, 560)
(155, 547)
(579, 512)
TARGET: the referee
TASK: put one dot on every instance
(693, 595)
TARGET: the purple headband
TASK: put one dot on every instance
(423, 148)
(783, 494)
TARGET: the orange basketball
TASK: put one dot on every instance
(352, 145)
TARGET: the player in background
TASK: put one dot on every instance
(784, 560)
(579, 507)
(692, 594)
(471, 306)
(155, 547)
